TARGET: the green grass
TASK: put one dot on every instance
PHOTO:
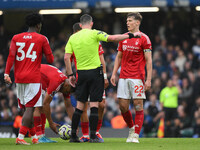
(110, 144)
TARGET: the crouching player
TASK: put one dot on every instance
(53, 81)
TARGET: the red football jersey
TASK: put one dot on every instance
(100, 49)
(52, 79)
(133, 60)
(25, 52)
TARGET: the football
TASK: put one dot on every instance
(65, 132)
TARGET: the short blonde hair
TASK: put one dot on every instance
(135, 15)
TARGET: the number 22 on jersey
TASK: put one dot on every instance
(21, 45)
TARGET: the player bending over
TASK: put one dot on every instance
(53, 81)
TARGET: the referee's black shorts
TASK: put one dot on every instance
(170, 113)
(90, 82)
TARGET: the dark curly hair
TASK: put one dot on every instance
(33, 19)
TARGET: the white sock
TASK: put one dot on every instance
(86, 136)
(34, 137)
(21, 136)
(133, 128)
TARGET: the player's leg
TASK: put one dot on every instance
(139, 118)
(38, 121)
(124, 96)
(27, 95)
(32, 131)
(75, 121)
(96, 93)
(138, 94)
(43, 116)
(93, 119)
(127, 116)
(85, 124)
(26, 126)
(101, 114)
(82, 94)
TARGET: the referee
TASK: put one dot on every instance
(85, 45)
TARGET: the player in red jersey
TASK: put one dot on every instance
(84, 116)
(26, 52)
(53, 81)
(133, 55)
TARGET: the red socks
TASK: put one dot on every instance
(32, 131)
(99, 125)
(43, 117)
(85, 128)
(139, 118)
(128, 118)
(38, 125)
(23, 130)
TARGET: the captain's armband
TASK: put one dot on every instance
(147, 50)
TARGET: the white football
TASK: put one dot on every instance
(65, 132)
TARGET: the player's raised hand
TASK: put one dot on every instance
(72, 81)
(147, 85)
(112, 80)
(7, 79)
(54, 126)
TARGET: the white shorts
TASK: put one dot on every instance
(29, 95)
(131, 88)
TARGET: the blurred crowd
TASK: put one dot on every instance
(175, 37)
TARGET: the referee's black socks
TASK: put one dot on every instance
(75, 121)
(93, 121)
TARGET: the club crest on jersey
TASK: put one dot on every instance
(27, 37)
(136, 43)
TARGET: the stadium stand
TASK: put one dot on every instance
(176, 55)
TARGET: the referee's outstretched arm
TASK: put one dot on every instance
(120, 37)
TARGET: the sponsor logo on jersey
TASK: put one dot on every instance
(124, 47)
(130, 48)
(139, 94)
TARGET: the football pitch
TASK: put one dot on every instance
(110, 144)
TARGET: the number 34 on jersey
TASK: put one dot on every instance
(32, 56)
